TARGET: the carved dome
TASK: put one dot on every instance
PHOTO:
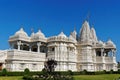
(39, 34)
(72, 38)
(100, 44)
(21, 32)
(32, 35)
(62, 35)
(110, 43)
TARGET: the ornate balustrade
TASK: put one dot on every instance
(25, 55)
(104, 59)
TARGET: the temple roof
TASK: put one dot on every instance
(110, 44)
(101, 43)
(21, 32)
(32, 35)
(62, 35)
(39, 34)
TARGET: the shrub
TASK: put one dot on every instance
(111, 71)
(76, 73)
(44, 71)
(70, 72)
(26, 71)
(84, 72)
(119, 71)
(26, 77)
(15, 73)
(104, 72)
(4, 72)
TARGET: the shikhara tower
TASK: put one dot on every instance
(94, 55)
(85, 52)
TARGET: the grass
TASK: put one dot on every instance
(97, 77)
(11, 78)
(79, 77)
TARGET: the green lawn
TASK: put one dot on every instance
(97, 77)
(11, 78)
(80, 77)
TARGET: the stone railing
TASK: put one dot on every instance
(104, 60)
(99, 60)
(108, 59)
(25, 55)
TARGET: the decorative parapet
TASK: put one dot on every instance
(62, 39)
(38, 39)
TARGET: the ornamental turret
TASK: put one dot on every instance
(93, 35)
(62, 35)
(74, 34)
(110, 44)
(39, 36)
(21, 32)
(19, 35)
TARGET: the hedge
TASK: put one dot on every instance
(19, 73)
(6, 73)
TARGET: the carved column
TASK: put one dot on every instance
(68, 50)
(30, 48)
(19, 44)
(103, 58)
(113, 55)
(38, 44)
(113, 52)
(102, 50)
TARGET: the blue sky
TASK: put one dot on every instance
(54, 16)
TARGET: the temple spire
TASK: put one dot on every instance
(93, 35)
(85, 32)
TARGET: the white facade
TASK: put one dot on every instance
(84, 52)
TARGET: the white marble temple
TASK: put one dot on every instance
(84, 52)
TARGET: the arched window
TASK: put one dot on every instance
(34, 48)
